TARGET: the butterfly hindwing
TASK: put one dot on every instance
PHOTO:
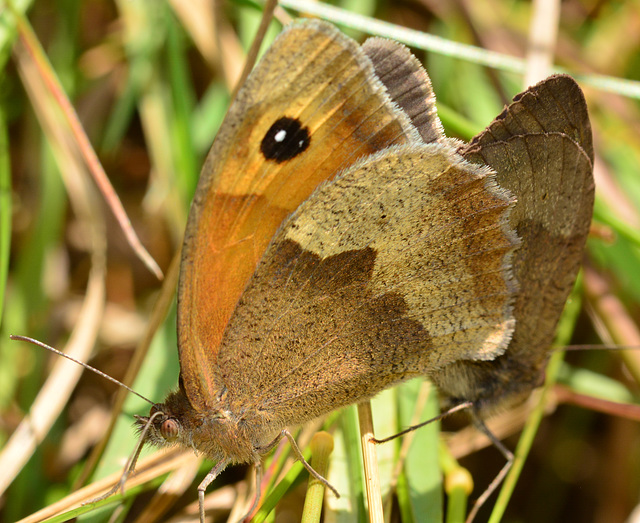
(398, 266)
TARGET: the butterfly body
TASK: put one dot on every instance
(224, 432)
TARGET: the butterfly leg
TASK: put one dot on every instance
(208, 479)
(257, 493)
(269, 446)
(508, 455)
(461, 406)
(298, 454)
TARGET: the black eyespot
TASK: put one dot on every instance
(284, 140)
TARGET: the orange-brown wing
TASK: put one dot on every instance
(311, 108)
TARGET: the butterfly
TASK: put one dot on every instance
(338, 243)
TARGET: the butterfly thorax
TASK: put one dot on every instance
(219, 433)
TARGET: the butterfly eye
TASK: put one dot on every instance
(285, 140)
(169, 429)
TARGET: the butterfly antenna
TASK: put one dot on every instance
(568, 348)
(82, 364)
(131, 462)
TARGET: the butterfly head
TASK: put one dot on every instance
(214, 432)
(167, 423)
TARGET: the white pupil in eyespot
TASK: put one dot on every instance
(280, 136)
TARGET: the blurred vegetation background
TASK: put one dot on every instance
(150, 81)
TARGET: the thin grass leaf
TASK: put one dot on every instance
(422, 478)
(5, 210)
(346, 472)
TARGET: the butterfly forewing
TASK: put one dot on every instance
(408, 85)
(311, 108)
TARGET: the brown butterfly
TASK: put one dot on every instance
(338, 244)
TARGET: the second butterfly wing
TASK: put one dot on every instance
(541, 149)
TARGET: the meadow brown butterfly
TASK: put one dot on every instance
(338, 243)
